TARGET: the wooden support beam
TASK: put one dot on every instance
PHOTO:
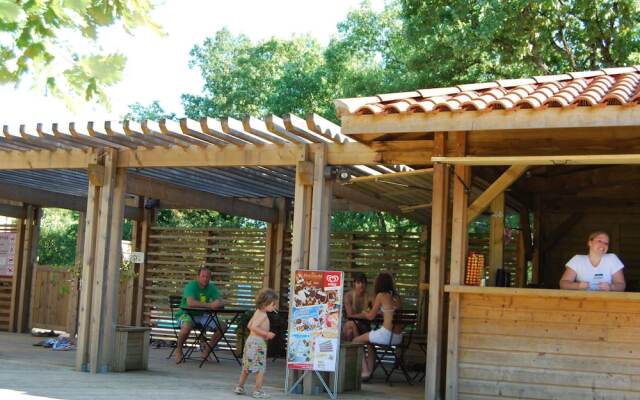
(143, 240)
(8, 210)
(114, 262)
(275, 246)
(423, 279)
(86, 285)
(521, 261)
(74, 291)
(437, 266)
(99, 322)
(29, 255)
(176, 196)
(400, 152)
(45, 198)
(496, 238)
(320, 211)
(536, 257)
(596, 159)
(459, 244)
(499, 186)
(495, 120)
(301, 216)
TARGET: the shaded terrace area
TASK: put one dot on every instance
(42, 373)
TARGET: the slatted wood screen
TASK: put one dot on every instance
(370, 253)
(6, 286)
(235, 257)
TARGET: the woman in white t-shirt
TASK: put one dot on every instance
(596, 270)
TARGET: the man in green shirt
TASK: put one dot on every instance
(198, 293)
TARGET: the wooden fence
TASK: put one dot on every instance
(54, 302)
(236, 258)
(54, 299)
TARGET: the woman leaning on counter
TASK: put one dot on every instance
(597, 270)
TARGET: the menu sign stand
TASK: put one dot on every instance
(315, 315)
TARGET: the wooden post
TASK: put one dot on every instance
(496, 238)
(148, 216)
(275, 246)
(114, 262)
(423, 279)
(301, 211)
(28, 263)
(301, 227)
(320, 212)
(17, 275)
(74, 282)
(437, 264)
(521, 262)
(536, 257)
(86, 277)
(459, 243)
(99, 304)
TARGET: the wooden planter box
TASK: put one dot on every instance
(131, 350)
(349, 367)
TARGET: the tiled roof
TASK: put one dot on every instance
(606, 87)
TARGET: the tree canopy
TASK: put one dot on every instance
(37, 41)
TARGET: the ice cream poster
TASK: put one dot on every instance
(314, 320)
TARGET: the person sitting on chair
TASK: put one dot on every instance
(198, 293)
(386, 302)
(356, 301)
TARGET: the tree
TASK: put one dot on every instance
(273, 76)
(38, 35)
(470, 41)
(154, 111)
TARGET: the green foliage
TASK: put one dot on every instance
(58, 235)
(154, 112)
(241, 78)
(35, 37)
(204, 219)
(58, 232)
(468, 41)
(347, 221)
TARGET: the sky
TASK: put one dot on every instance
(157, 67)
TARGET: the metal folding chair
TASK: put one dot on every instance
(192, 341)
(407, 319)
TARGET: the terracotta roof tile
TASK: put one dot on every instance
(606, 87)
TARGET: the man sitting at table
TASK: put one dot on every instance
(198, 293)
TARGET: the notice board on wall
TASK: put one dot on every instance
(7, 253)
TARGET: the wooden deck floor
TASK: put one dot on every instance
(28, 372)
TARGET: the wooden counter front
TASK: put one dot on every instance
(541, 344)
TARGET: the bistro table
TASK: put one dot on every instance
(214, 315)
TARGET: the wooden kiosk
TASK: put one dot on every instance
(565, 150)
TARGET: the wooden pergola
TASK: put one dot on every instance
(110, 171)
(562, 148)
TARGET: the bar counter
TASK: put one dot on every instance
(544, 343)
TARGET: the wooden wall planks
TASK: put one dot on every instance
(539, 348)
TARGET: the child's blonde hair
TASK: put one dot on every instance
(265, 297)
